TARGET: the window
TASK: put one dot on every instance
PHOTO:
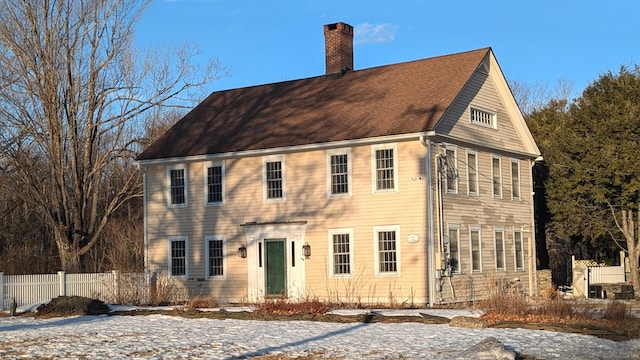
(386, 250)
(273, 178)
(483, 117)
(214, 183)
(216, 251)
(339, 173)
(454, 248)
(385, 168)
(451, 170)
(472, 172)
(499, 242)
(476, 258)
(496, 172)
(177, 184)
(515, 180)
(178, 256)
(519, 249)
(340, 250)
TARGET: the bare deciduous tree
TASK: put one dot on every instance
(73, 91)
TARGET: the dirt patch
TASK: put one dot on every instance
(72, 305)
(601, 331)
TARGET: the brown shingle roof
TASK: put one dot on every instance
(389, 100)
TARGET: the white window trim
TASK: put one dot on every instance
(265, 160)
(207, 165)
(225, 270)
(498, 229)
(186, 185)
(517, 162)
(500, 182)
(457, 228)
(374, 175)
(376, 253)
(493, 114)
(479, 230)
(455, 160)
(186, 256)
(477, 192)
(332, 232)
(330, 153)
(515, 254)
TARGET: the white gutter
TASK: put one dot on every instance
(431, 270)
(283, 149)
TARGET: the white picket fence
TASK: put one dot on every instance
(110, 287)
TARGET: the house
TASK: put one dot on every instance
(407, 183)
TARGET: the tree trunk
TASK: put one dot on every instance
(630, 227)
(68, 251)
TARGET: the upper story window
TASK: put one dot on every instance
(515, 179)
(341, 252)
(384, 160)
(339, 172)
(483, 117)
(273, 178)
(472, 172)
(496, 174)
(451, 170)
(214, 183)
(386, 250)
(177, 186)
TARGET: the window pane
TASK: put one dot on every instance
(341, 254)
(473, 173)
(497, 181)
(384, 169)
(475, 250)
(517, 236)
(178, 258)
(339, 174)
(499, 250)
(454, 251)
(274, 180)
(387, 251)
(451, 171)
(515, 180)
(216, 267)
(177, 186)
(214, 184)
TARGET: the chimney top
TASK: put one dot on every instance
(338, 40)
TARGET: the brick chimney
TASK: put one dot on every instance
(338, 47)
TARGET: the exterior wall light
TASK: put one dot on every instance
(306, 250)
(242, 251)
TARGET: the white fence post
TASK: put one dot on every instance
(1, 291)
(116, 285)
(63, 283)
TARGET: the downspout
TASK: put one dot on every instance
(431, 270)
(144, 223)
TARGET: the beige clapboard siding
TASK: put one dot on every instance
(307, 200)
(491, 213)
(480, 92)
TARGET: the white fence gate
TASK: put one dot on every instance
(589, 272)
(110, 287)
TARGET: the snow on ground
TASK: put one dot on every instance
(174, 337)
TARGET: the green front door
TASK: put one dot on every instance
(275, 268)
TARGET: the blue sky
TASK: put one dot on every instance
(538, 41)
